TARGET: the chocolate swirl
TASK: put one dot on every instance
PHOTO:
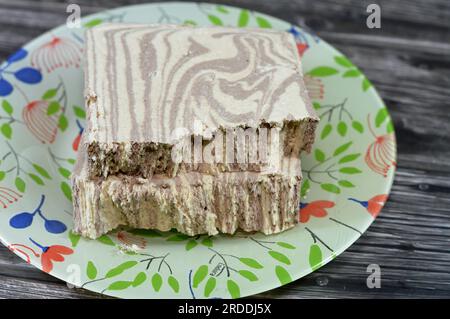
(144, 81)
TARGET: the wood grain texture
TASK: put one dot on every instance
(408, 60)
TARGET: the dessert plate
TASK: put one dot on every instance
(347, 177)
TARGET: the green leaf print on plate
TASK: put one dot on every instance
(250, 262)
(91, 270)
(330, 170)
(282, 275)
(315, 256)
(349, 71)
(233, 289)
(157, 282)
(139, 279)
(210, 286)
(200, 274)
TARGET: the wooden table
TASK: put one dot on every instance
(408, 60)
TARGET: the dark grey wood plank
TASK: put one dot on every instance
(19, 288)
(408, 60)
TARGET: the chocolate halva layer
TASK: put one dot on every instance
(144, 83)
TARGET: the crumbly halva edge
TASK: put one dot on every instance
(145, 159)
(192, 203)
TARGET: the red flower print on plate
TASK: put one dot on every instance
(77, 139)
(51, 254)
(373, 205)
(23, 250)
(380, 155)
(57, 53)
(316, 208)
(42, 125)
(8, 196)
(300, 39)
(301, 48)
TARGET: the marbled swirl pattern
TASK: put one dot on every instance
(142, 82)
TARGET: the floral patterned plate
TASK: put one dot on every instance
(347, 177)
